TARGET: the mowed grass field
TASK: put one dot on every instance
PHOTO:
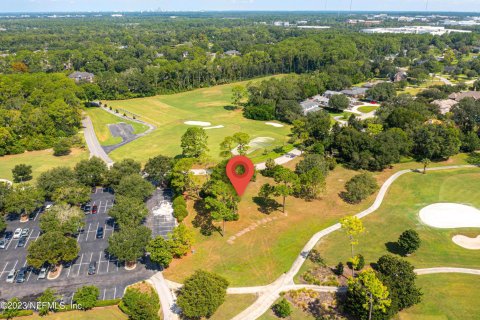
(399, 211)
(40, 161)
(446, 297)
(101, 119)
(169, 112)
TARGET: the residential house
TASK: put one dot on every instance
(79, 76)
(232, 53)
(355, 92)
(457, 96)
(400, 76)
(445, 105)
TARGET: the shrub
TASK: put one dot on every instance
(409, 241)
(86, 296)
(360, 187)
(339, 268)
(140, 305)
(180, 213)
(316, 258)
(282, 309)
(360, 262)
(61, 147)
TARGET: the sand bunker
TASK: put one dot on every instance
(257, 143)
(273, 124)
(467, 242)
(450, 215)
(216, 127)
(198, 123)
(453, 215)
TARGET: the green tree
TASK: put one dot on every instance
(129, 244)
(73, 195)
(182, 177)
(23, 199)
(86, 297)
(134, 186)
(121, 169)
(339, 102)
(399, 277)
(382, 92)
(62, 147)
(52, 248)
(158, 169)
(194, 143)
(202, 294)
(140, 305)
(56, 178)
(128, 212)
(287, 182)
(91, 172)
(22, 173)
(360, 187)
(366, 295)
(239, 142)
(47, 302)
(409, 241)
(449, 56)
(160, 251)
(282, 309)
(222, 203)
(436, 142)
(181, 240)
(353, 226)
(62, 218)
(238, 94)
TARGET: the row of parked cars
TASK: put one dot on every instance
(19, 233)
(88, 209)
(19, 276)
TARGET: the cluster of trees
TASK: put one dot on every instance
(38, 111)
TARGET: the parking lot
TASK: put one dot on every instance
(161, 222)
(111, 276)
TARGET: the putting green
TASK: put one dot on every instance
(170, 112)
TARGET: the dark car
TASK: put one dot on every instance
(8, 235)
(94, 209)
(87, 208)
(3, 243)
(92, 268)
(100, 233)
(22, 275)
(22, 242)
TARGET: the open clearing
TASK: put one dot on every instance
(101, 120)
(399, 211)
(446, 297)
(170, 112)
(40, 161)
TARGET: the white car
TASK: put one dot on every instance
(17, 233)
(11, 276)
(48, 206)
(43, 273)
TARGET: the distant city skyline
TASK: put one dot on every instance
(251, 5)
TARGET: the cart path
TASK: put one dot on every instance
(93, 145)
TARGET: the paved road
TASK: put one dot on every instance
(93, 145)
(272, 291)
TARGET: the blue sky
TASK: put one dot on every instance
(194, 5)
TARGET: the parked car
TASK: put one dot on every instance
(11, 276)
(21, 275)
(94, 209)
(43, 273)
(17, 233)
(87, 208)
(22, 242)
(48, 206)
(25, 232)
(8, 235)
(100, 233)
(3, 243)
(92, 268)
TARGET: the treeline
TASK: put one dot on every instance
(135, 56)
(36, 111)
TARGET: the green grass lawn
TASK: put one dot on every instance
(367, 109)
(233, 305)
(106, 313)
(169, 112)
(446, 297)
(101, 119)
(40, 161)
(399, 212)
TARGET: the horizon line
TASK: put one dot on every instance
(238, 10)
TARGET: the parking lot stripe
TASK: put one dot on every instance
(25, 263)
(80, 266)
(86, 239)
(26, 242)
(8, 245)
(104, 230)
(15, 264)
(104, 291)
(108, 263)
(115, 293)
(29, 274)
(5, 267)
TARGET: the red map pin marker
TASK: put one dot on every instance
(240, 181)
